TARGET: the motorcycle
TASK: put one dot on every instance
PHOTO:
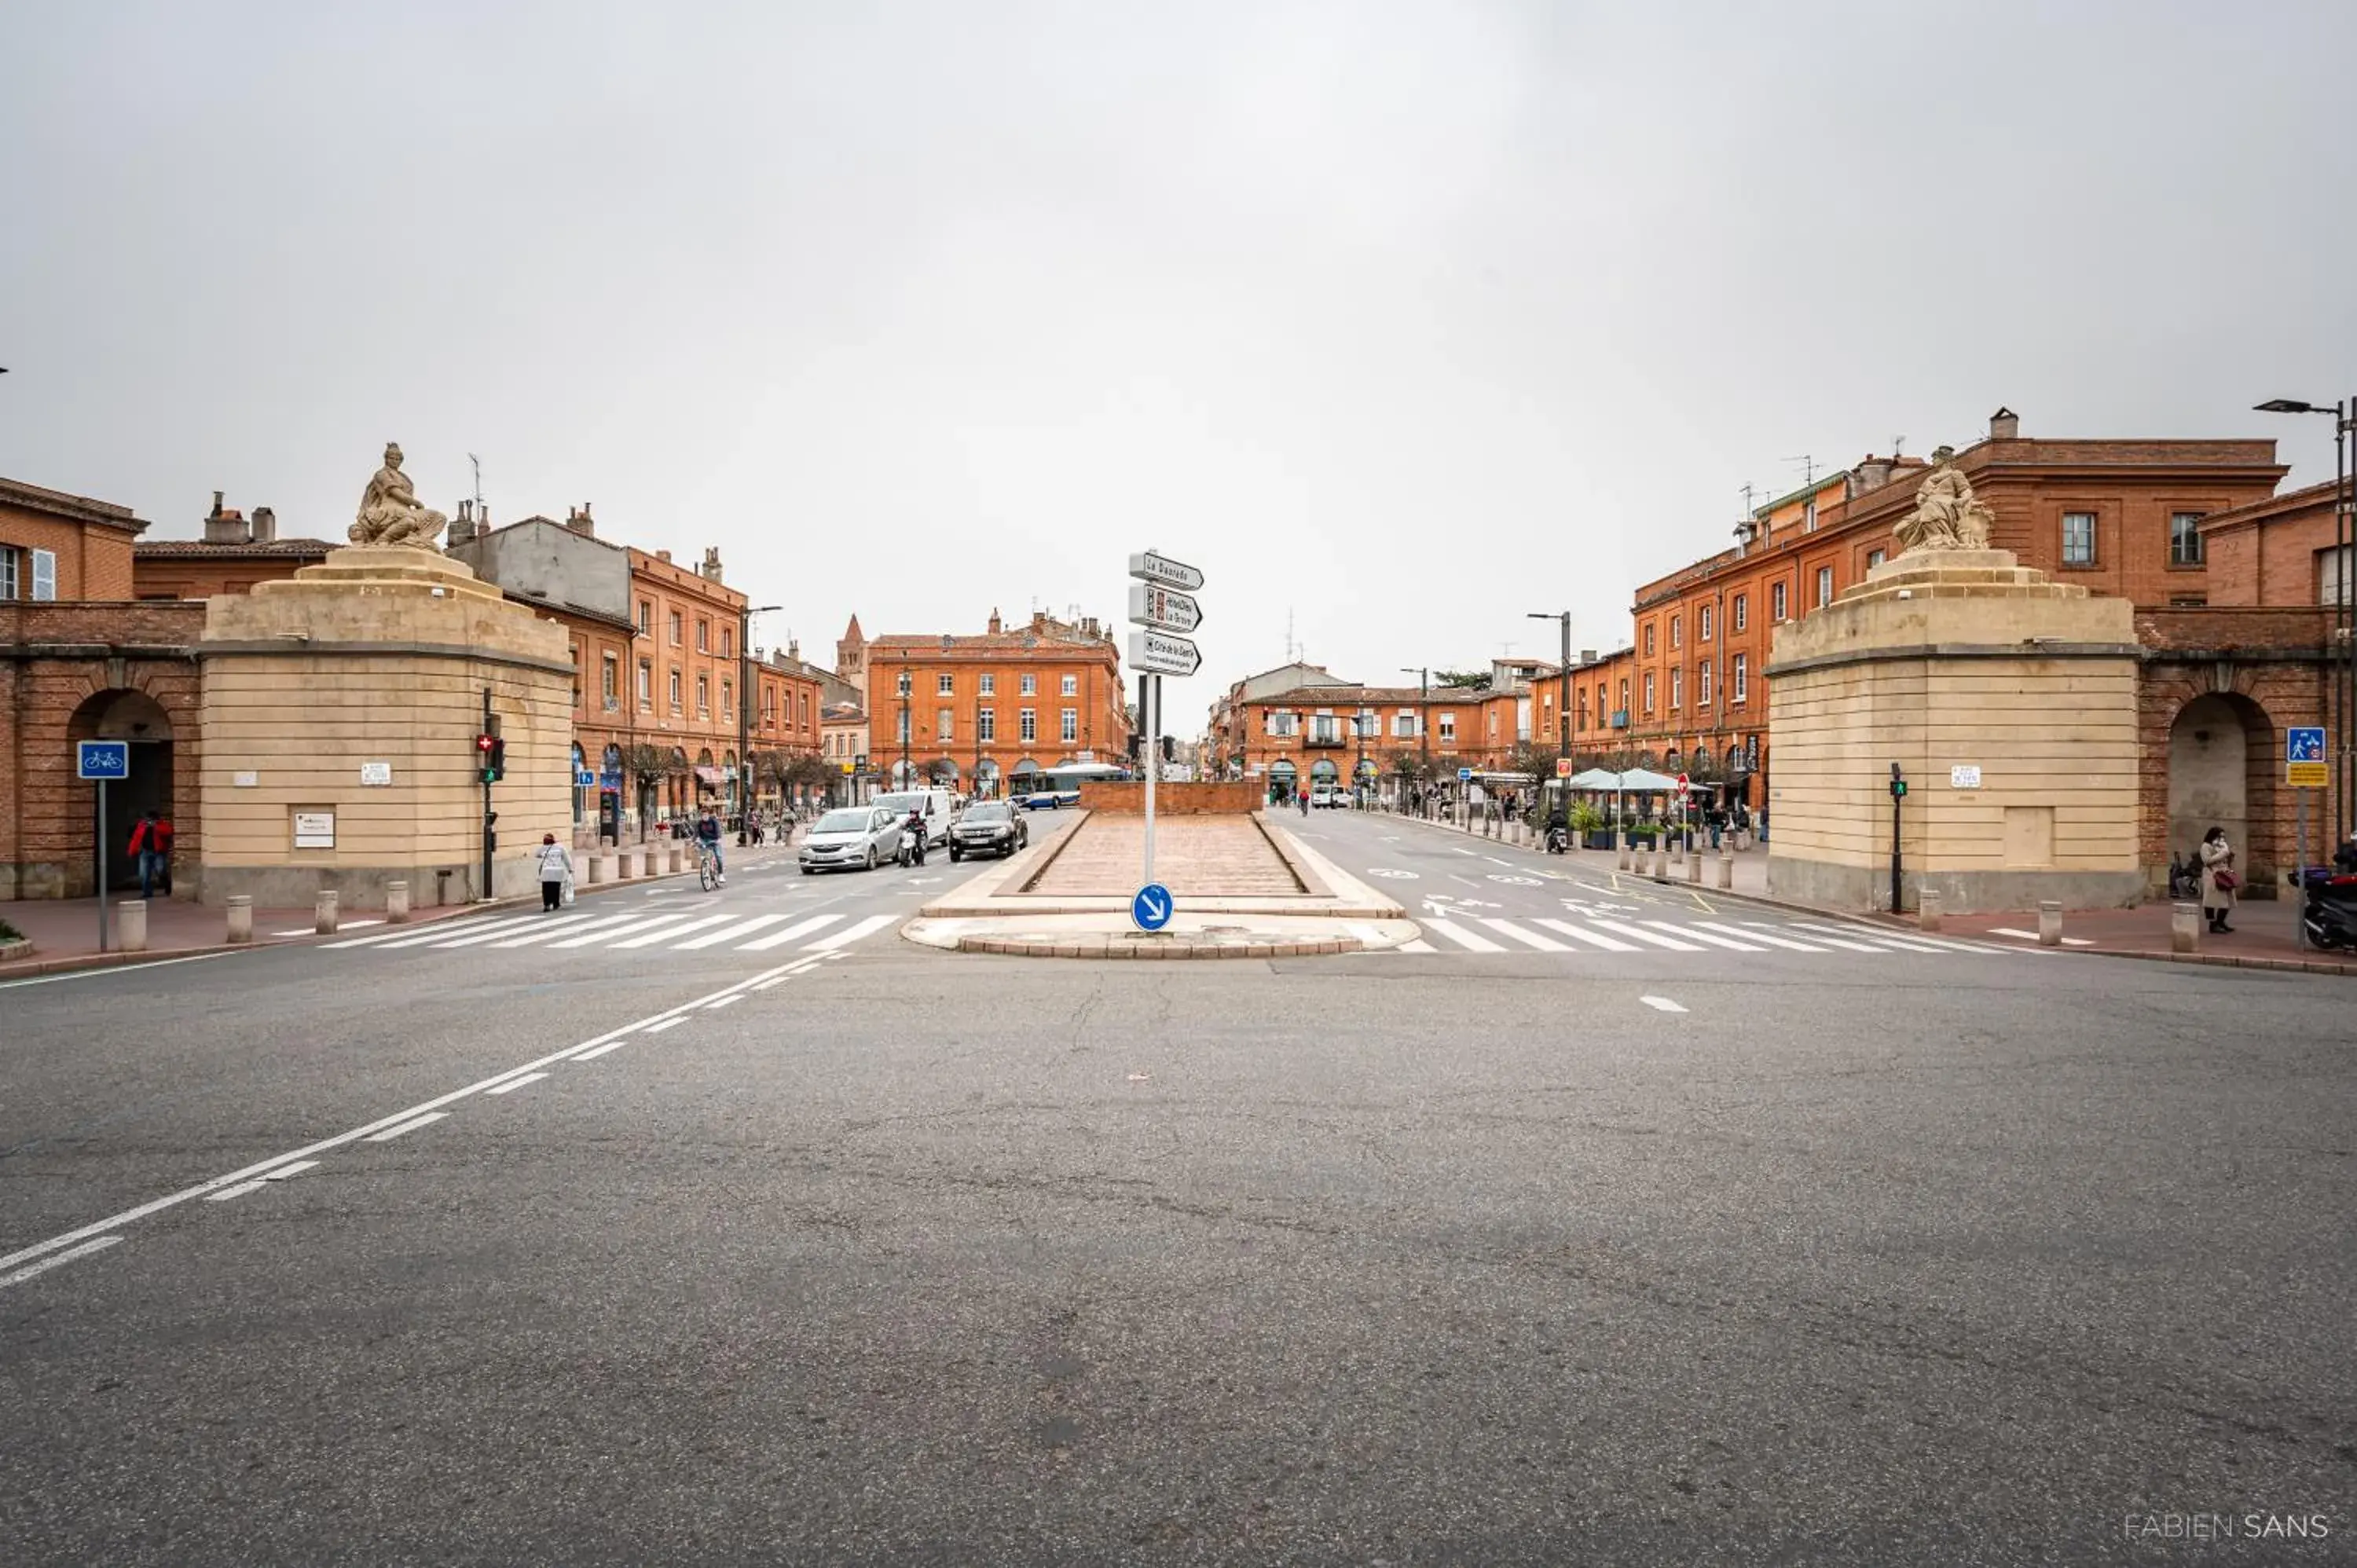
(2327, 917)
(912, 841)
(1558, 839)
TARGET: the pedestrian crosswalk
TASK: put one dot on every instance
(1466, 934)
(694, 929)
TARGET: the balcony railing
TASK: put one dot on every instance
(1619, 718)
(1327, 741)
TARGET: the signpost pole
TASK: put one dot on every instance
(100, 881)
(2299, 878)
(1150, 716)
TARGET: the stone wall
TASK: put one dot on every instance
(1191, 799)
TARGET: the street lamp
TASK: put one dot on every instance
(2344, 604)
(1422, 719)
(744, 713)
(1563, 680)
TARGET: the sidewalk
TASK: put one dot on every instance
(2262, 938)
(64, 931)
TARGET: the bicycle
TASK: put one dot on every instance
(707, 866)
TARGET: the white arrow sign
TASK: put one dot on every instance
(1165, 607)
(1152, 568)
(1159, 653)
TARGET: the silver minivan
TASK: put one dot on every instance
(938, 807)
(851, 837)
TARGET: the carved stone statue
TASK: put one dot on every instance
(1947, 515)
(390, 511)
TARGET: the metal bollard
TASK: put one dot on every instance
(241, 918)
(2184, 928)
(1927, 909)
(2049, 922)
(131, 925)
(396, 903)
(1726, 869)
(323, 912)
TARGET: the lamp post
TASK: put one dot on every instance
(2344, 606)
(905, 685)
(1423, 674)
(745, 714)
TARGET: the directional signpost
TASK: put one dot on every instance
(99, 761)
(2304, 770)
(1164, 604)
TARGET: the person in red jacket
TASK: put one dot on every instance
(151, 847)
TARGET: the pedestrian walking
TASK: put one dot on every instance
(151, 850)
(2218, 879)
(556, 871)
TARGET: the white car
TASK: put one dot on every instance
(938, 807)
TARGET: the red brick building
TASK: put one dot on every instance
(235, 553)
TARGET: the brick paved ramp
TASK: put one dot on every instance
(1193, 856)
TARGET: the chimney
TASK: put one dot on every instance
(994, 626)
(662, 555)
(2005, 426)
(265, 525)
(578, 519)
(1587, 656)
(223, 527)
(1873, 472)
(462, 527)
(794, 649)
(710, 570)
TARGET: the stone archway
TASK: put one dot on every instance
(2218, 749)
(122, 713)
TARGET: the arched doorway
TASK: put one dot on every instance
(944, 773)
(2218, 748)
(137, 717)
(1324, 774)
(1280, 782)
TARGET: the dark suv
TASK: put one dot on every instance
(989, 827)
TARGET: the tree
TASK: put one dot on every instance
(649, 765)
(1462, 680)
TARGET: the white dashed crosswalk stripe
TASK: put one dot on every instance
(851, 933)
(730, 933)
(679, 929)
(643, 924)
(556, 928)
(1594, 938)
(1528, 938)
(437, 932)
(1910, 939)
(1621, 929)
(1462, 938)
(1816, 936)
(779, 939)
(1702, 936)
(1699, 927)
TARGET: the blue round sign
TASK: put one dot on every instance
(1151, 909)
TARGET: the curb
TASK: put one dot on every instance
(1123, 948)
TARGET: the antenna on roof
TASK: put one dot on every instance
(1808, 469)
(1897, 442)
(478, 463)
(1748, 508)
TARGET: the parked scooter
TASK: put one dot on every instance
(2328, 915)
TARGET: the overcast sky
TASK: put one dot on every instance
(1403, 319)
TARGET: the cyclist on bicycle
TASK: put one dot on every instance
(707, 837)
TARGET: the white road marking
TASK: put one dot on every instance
(851, 933)
(240, 1190)
(667, 932)
(439, 931)
(1816, 936)
(779, 939)
(512, 1084)
(412, 1125)
(1418, 945)
(643, 923)
(1672, 944)
(724, 1002)
(1702, 936)
(595, 1052)
(1661, 1004)
(563, 929)
(297, 1168)
(1528, 938)
(1495, 861)
(654, 1029)
(1583, 934)
(1698, 927)
(1462, 938)
(341, 925)
(556, 926)
(113, 969)
(2032, 936)
(68, 1256)
(730, 933)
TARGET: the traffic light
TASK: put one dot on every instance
(492, 754)
(1898, 783)
(1170, 749)
(1136, 745)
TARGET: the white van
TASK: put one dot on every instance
(939, 806)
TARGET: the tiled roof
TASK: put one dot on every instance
(33, 498)
(990, 642)
(197, 549)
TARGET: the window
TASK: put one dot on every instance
(1742, 611)
(1031, 685)
(576, 674)
(9, 571)
(704, 694)
(1449, 729)
(1702, 623)
(1281, 722)
(901, 686)
(1677, 687)
(1739, 671)
(646, 617)
(989, 685)
(1029, 731)
(1677, 639)
(1649, 639)
(674, 629)
(1824, 586)
(1624, 694)
(2185, 539)
(674, 688)
(727, 642)
(943, 721)
(1875, 558)
(44, 581)
(646, 685)
(2333, 575)
(1069, 729)
(1404, 725)
(986, 724)
(1072, 687)
(1809, 515)
(1582, 721)
(2078, 539)
(1776, 601)
(1702, 685)
(944, 685)
(1325, 727)
(612, 689)
(1649, 691)
(728, 696)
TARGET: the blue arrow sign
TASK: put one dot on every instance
(101, 760)
(1150, 910)
(1463, 775)
(2302, 742)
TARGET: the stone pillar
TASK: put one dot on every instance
(131, 925)
(677, 860)
(240, 918)
(627, 864)
(1927, 909)
(1678, 850)
(323, 912)
(2049, 922)
(1623, 834)
(396, 903)
(1660, 860)
(1725, 867)
(2184, 928)
(1693, 868)
(601, 869)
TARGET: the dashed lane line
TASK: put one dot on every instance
(412, 1125)
(512, 1084)
(1661, 1004)
(68, 1256)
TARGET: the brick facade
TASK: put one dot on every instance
(976, 683)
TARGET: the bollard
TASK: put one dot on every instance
(1678, 850)
(241, 918)
(2184, 928)
(1623, 836)
(1927, 909)
(1726, 869)
(323, 912)
(396, 903)
(633, 863)
(131, 925)
(601, 869)
(1661, 861)
(2049, 922)
(1693, 868)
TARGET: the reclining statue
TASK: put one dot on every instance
(1947, 515)
(390, 511)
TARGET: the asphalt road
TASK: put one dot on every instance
(878, 1254)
